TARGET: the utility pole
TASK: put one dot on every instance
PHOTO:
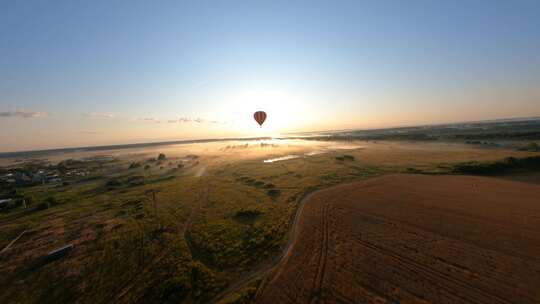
(153, 192)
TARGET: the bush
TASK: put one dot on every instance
(204, 282)
(274, 193)
(51, 201)
(113, 183)
(413, 170)
(161, 156)
(345, 157)
(173, 289)
(136, 180)
(247, 213)
(42, 206)
(134, 165)
(532, 147)
(348, 157)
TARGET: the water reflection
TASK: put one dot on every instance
(286, 157)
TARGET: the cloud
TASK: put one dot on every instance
(148, 119)
(188, 119)
(90, 132)
(23, 114)
(180, 120)
(99, 115)
(198, 120)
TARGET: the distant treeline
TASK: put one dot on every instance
(505, 130)
(428, 136)
(531, 135)
(505, 166)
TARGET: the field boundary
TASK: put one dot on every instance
(265, 269)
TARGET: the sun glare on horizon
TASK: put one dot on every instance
(286, 111)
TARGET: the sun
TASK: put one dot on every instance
(285, 110)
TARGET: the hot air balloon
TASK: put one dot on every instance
(260, 117)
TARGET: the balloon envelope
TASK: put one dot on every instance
(260, 117)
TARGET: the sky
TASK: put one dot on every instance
(82, 73)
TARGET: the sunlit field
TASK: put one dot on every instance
(202, 222)
(251, 152)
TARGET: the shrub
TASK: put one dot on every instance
(345, 157)
(161, 156)
(42, 206)
(348, 157)
(249, 181)
(134, 165)
(51, 201)
(203, 281)
(247, 213)
(273, 193)
(136, 180)
(174, 289)
(532, 147)
(113, 183)
(413, 170)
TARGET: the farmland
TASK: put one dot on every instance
(205, 222)
(432, 239)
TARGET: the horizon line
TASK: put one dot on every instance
(8, 154)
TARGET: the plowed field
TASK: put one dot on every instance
(414, 239)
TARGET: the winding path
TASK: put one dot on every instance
(266, 268)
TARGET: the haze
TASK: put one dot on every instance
(79, 74)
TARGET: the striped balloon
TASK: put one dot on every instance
(260, 117)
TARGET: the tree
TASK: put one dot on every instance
(161, 156)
